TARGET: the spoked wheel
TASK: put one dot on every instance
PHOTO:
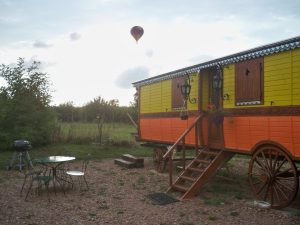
(158, 161)
(273, 176)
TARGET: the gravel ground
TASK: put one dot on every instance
(119, 196)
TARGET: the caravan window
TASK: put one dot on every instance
(249, 82)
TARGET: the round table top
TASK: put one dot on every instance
(54, 159)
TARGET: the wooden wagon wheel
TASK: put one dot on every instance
(273, 176)
(158, 161)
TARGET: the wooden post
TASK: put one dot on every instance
(171, 171)
(196, 139)
(183, 153)
(132, 121)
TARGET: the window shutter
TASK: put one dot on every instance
(249, 82)
(177, 100)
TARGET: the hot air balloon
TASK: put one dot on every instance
(137, 32)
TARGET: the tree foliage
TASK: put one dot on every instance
(108, 110)
(24, 104)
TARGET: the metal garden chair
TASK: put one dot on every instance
(79, 174)
(39, 176)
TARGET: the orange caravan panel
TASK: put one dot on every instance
(296, 135)
(166, 129)
(244, 132)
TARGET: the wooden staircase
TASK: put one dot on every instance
(203, 166)
(198, 172)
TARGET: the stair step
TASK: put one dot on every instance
(131, 158)
(212, 153)
(180, 188)
(191, 179)
(193, 169)
(202, 161)
(125, 163)
(180, 158)
(221, 158)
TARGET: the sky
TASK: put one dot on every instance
(86, 48)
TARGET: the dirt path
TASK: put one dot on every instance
(118, 196)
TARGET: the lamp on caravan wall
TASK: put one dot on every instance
(217, 86)
(186, 90)
(217, 78)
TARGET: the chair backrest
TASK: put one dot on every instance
(40, 169)
(86, 162)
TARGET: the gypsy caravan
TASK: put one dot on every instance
(245, 103)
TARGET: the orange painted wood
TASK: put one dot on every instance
(243, 133)
(166, 129)
(182, 137)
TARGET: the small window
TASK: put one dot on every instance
(249, 82)
(177, 99)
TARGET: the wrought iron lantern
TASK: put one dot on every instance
(217, 86)
(186, 90)
(217, 81)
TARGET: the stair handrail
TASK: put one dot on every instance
(186, 132)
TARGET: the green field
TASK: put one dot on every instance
(78, 139)
(83, 133)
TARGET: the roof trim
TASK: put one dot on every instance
(264, 50)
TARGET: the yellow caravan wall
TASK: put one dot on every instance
(229, 86)
(296, 77)
(194, 92)
(282, 87)
(157, 97)
(281, 80)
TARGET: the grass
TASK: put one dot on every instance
(2, 179)
(141, 180)
(216, 200)
(224, 188)
(79, 133)
(80, 151)
(78, 139)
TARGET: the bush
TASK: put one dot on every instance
(24, 105)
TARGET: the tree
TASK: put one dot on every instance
(24, 101)
(67, 112)
(107, 109)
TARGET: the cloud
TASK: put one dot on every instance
(8, 20)
(41, 44)
(105, 1)
(75, 36)
(149, 53)
(131, 75)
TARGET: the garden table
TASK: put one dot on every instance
(54, 162)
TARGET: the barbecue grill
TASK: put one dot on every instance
(21, 145)
(21, 156)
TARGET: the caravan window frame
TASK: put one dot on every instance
(249, 78)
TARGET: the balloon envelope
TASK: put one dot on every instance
(137, 32)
